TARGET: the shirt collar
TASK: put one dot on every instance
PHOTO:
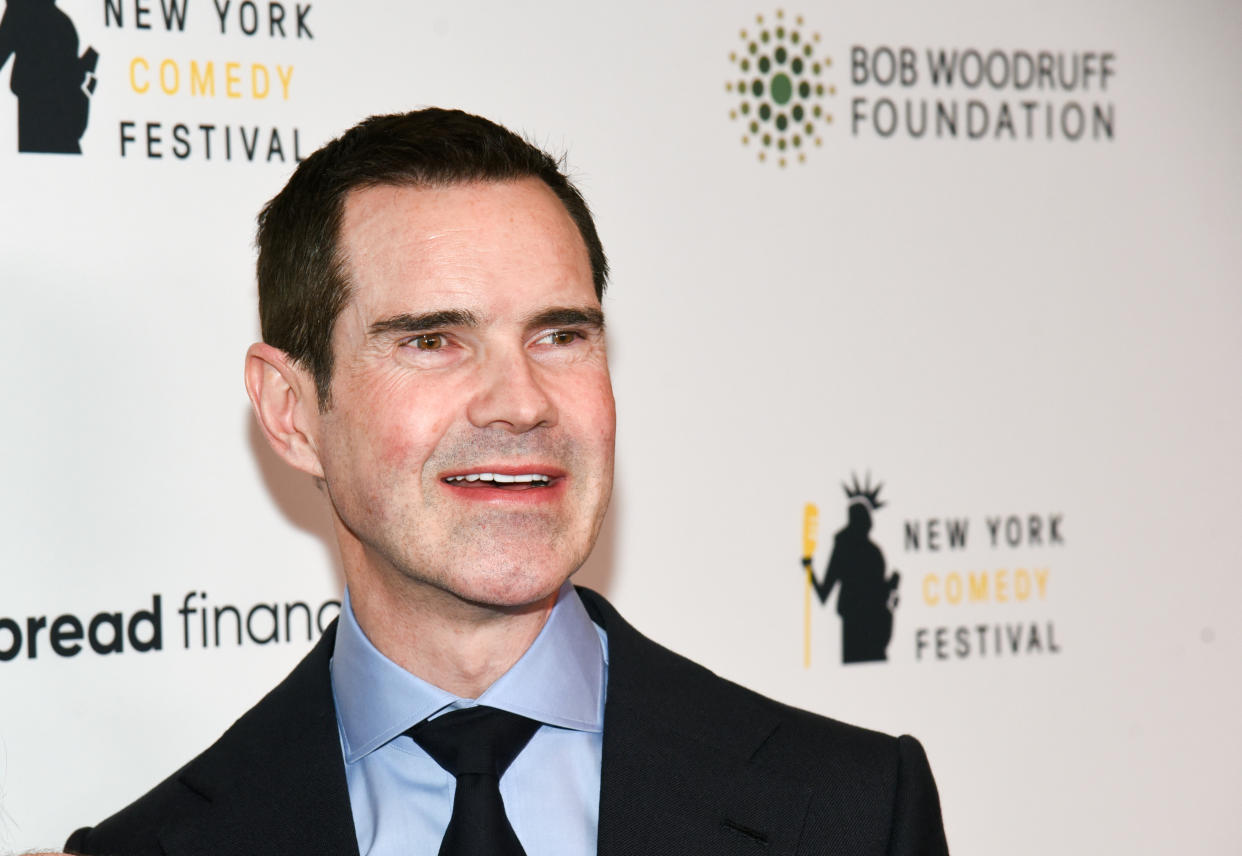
(559, 681)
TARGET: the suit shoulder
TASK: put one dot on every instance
(798, 741)
(862, 779)
(647, 676)
(298, 709)
(865, 791)
(134, 830)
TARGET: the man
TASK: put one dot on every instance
(434, 355)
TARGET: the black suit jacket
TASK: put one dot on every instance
(692, 764)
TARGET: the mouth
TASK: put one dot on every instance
(502, 481)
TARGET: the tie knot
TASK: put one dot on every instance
(475, 740)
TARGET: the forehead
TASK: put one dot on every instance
(496, 243)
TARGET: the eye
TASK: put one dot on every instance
(560, 337)
(428, 342)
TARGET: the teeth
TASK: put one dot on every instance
(501, 478)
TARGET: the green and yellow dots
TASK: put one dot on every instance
(779, 85)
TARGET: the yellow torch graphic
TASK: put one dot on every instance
(810, 528)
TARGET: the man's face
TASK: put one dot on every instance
(469, 446)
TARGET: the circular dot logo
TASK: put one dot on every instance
(780, 89)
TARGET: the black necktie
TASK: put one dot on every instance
(477, 745)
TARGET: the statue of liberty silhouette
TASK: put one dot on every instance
(868, 595)
(52, 83)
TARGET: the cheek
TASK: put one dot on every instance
(604, 407)
(595, 412)
(411, 419)
(406, 436)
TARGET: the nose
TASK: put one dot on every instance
(511, 395)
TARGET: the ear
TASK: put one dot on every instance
(286, 404)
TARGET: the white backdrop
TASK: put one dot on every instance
(1014, 324)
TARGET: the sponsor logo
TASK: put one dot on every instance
(52, 81)
(199, 623)
(779, 89)
(951, 93)
(160, 80)
(866, 591)
(973, 588)
(975, 608)
(169, 105)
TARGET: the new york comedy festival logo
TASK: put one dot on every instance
(867, 593)
(52, 82)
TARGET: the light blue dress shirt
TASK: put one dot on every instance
(401, 799)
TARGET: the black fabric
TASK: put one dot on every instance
(476, 745)
(692, 764)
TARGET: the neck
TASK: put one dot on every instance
(459, 646)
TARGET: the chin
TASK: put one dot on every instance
(513, 585)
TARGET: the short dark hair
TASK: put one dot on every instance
(302, 279)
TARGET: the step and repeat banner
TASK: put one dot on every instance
(940, 301)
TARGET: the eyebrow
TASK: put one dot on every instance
(567, 316)
(406, 323)
(557, 316)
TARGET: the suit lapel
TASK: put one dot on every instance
(678, 773)
(275, 782)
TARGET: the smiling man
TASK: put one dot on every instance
(434, 356)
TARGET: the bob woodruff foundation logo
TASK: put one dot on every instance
(779, 89)
(866, 593)
(53, 84)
